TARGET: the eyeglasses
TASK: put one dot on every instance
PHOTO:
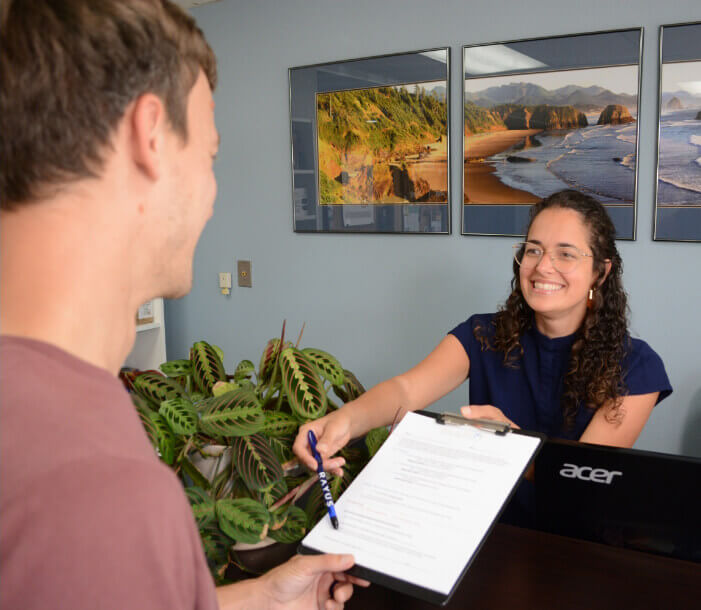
(565, 259)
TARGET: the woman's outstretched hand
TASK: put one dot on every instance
(332, 432)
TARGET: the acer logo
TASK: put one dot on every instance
(587, 473)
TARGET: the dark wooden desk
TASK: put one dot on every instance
(519, 569)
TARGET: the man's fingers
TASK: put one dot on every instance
(315, 564)
(342, 592)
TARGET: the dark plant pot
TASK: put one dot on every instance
(259, 561)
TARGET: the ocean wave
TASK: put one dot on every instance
(695, 140)
(694, 188)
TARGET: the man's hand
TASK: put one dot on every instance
(306, 582)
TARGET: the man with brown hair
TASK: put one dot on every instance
(107, 139)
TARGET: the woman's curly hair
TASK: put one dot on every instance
(594, 376)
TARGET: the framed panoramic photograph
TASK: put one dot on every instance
(370, 143)
(678, 188)
(547, 114)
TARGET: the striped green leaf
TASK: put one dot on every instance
(256, 462)
(375, 438)
(303, 386)
(177, 368)
(268, 360)
(216, 543)
(194, 473)
(207, 366)
(202, 506)
(282, 447)
(243, 519)
(236, 413)
(222, 387)
(294, 527)
(269, 496)
(244, 370)
(353, 386)
(278, 424)
(180, 415)
(156, 388)
(326, 364)
(165, 441)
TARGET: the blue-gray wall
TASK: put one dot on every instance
(381, 302)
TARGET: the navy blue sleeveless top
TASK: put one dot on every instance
(530, 394)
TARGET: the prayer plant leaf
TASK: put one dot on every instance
(202, 506)
(279, 424)
(207, 366)
(268, 360)
(222, 387)
(243, 519)
(303, 386)
(165, 441)
(293, 528)
(375, 438)
(329, 368)
(256, 462)
(282, 448)
(244, 370)
(194, 473)
(236, 413)
(180, 415)
(216, 543)
(177, 368)
(353, 387)
(272, 494)
(156, 388)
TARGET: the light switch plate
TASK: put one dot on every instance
(244, 273)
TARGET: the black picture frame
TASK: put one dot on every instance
(678, 172)
(309, 86)
(500, 185)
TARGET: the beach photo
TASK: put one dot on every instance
(532, 134)
(383, 145)
(679, 161)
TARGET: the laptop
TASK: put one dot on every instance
(634, 499)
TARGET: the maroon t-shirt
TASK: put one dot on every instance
(89, 517)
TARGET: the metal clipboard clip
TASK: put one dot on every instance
(499, 428)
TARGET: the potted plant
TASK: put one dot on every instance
(229, 439)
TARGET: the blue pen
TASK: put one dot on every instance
(323, 481)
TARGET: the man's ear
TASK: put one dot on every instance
(147, 123)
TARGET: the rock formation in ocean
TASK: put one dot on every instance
(615, 114)
(674, 104)
(557, 117)
(542, 117)
(698, 116)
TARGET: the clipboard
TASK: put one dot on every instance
(414, 580)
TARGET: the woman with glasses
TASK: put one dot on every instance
(556, 358)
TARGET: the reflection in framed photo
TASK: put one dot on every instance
(370, 142)
(678, 188)
(548, 114)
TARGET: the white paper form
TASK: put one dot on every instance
(420, 508)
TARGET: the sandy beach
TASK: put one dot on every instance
(487, 144)
(481, 183)
(433, 167)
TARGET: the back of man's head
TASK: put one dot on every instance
(68, 71)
